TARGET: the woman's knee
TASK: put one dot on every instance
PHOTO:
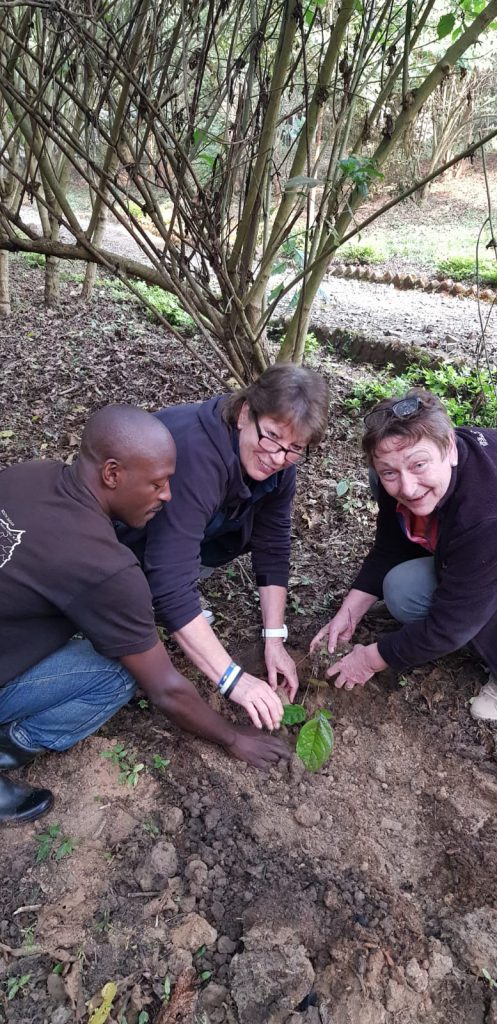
(408, 589)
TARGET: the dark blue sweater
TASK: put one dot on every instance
(464, 606)
(213, 513)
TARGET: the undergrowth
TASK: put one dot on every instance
(463, 268)
(468, 396)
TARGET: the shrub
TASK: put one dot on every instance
(363, 254)
(468, 396)
(463, 268)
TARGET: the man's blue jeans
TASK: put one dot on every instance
(64, 698)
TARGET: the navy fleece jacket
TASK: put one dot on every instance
(210, 499)
(464, 606)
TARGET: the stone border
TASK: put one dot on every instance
(407, 281)
(361, 348)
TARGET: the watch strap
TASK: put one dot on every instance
(281, 632)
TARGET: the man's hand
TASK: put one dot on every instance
(279, 662)
(338, 631)
(357, 667)
(260, 751)
(262, 705)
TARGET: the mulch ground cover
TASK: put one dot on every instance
(208, 892)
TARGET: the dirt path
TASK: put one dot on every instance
(446, 324)
(211, 894)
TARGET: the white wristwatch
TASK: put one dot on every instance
(281, 632)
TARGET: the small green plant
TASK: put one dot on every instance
(160, 763)
(363, 254)
(315, 740)
(129, 771)
(165, 304)
(28, 935)
(463, 268)
(15, 985)
(53, 846)
(166, 989)
(151, 828)
(34, 259)
(143, 1017)
(362, 170)
(311, 343)
(296, 606)
(469, 397)
(488, 978)
(102, 923)
(143, 704)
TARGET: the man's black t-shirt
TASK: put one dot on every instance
(63, 571)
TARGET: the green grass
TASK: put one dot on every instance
(424, 236)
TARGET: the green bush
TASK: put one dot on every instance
(469, 397)
(364, 254)
(463, 268)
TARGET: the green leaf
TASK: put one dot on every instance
(293, 714)
(6, 433)
(445, 25)
(275, 292)
(315, 742)
(342, 488)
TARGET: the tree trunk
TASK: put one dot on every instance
(52, 282)
(91, 269)
(4, 285)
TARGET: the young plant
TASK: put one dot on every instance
(129, 771)
(492, 983)
(53, 846)
(160, 763)
(15, 985)
(315, 740)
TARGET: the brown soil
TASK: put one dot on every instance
(365, 894)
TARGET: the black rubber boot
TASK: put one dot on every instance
(12, 755)
(20, 803)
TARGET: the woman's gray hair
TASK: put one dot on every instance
(288, 394)
(431, 420)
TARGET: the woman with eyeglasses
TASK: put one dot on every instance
(434, 558)
(232, 493)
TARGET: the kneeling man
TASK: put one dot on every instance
(63, 572)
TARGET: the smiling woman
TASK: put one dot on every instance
(434, 559)
(232, 494)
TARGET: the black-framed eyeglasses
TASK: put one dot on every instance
(273, 447)
(401, 410)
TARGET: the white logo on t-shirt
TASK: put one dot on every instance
(9, 539)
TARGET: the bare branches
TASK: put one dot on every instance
(213, 132)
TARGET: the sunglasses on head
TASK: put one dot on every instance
(401, 410)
